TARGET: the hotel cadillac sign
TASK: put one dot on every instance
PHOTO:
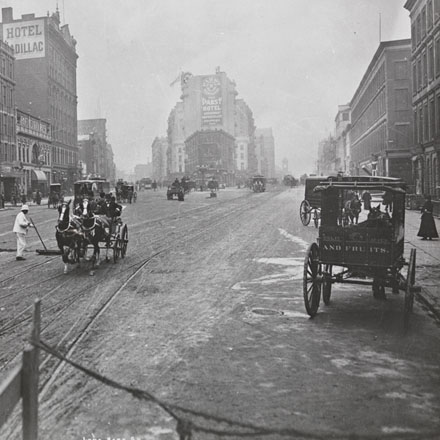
(26, 38)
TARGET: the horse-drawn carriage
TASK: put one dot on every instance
(367, 253)
(85, 233)
(176, 190)
(56, 196)
(90, 189)
(258, 183)
(311, 205)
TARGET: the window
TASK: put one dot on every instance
(425, 69)
(430, 62)
(424, 22)
(431, 118)
(436, 10)
(413, 35)
(401, 69)
(414, 78)
(429, 14)
(437, 56)
(416, 125)
(438, 115)
(418, 30)
(401, 99)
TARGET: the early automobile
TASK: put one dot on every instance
(176, 190)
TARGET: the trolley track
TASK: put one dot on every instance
(161, 244)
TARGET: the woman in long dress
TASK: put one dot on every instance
(427, 225)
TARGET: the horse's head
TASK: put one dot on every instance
(375, 213)
(63, 213)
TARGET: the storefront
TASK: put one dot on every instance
(9, 181)
(39, 181)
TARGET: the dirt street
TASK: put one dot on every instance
(206, 312)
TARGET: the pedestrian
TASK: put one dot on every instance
(427, 225)
(355, 209)
(23, 198)
(2, 201)
(387, 201)
(366, 198)
(38, 197)
(20, 228)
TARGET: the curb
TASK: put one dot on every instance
(425, 298)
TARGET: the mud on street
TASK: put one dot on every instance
(206, 312)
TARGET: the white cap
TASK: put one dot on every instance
(25, 208)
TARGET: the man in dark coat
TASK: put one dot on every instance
(366, 198)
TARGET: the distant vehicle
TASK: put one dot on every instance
(289, 180)
(146, 183)
(90, 188)
(176, 190)
(55, 195)
(258, 183)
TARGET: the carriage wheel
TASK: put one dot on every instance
(316, 217)
(116, 249)
(327, 284)
(124, 241)
(311, 281)
(305, 212)
(409, 292)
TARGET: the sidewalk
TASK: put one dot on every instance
(9, 205)
(427, 261)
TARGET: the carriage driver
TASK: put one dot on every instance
(114, 210)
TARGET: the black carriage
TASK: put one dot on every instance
(176, 190)
(258, 183)
(128, 194)
(311, 205)
(56, 196)
(118, 240)
(367, 253)
(90, 189)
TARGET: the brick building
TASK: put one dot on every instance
(381, 116)
(45, 74)
(10, 168)
(425, 60)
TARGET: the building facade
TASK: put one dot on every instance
(381, 116)
(245, 158)
(425, 60)
(10, 168)
(176, 135)
(45, 74)
(34, 153)
(265, 152)
(328, 163)
(342, 139)
(92, 141)
(159, 159)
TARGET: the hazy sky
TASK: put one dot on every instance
(293, 61)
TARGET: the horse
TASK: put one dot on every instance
(376, 218)
(96, 229)
(68, 235)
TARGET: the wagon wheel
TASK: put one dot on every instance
(327, 284)
(311, 280)
(316, 217)
(305, 212)
(409, 292)
(116, 248)
(124, 241)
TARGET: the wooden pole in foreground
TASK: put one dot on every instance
(29, 380)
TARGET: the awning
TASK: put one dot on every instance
(39, 176)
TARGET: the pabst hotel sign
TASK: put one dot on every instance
(211, 101)
(26, 38)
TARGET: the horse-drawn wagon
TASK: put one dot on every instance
(258, 183)
(55, 195)
(311, 205)
(367, 253)
(90, 189)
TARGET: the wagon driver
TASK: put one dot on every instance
(20, 228)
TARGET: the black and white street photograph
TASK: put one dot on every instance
(219, 219)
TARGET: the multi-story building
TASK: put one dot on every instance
(425, 59)
(159, 155)
(176, 135)
(265, 151)
(143, 170)
(245, 159)
(10, 169)
(342, 129)
(45, 74)
(34, 153)
(97, 159)
(381, 120)
(328, 162)
(111, 167)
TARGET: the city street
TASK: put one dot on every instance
(206, 312)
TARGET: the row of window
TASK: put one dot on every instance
(429, 15)
(7, 152)
(426, 67)
(6, 94)
(371, 115)
(7, 66)
(373, 143)
(373, 87)
(7, 126)
(427, 119)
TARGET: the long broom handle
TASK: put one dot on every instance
(39, 236)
